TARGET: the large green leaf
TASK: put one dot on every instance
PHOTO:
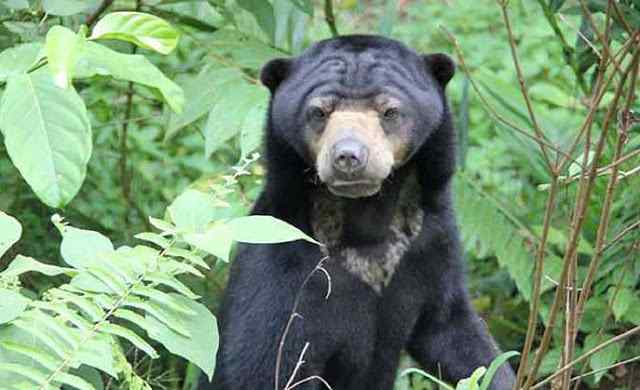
(265, 229)
(67, 7)
(19, 59)
(604, 358)
(203, 90)
(201, 347)
(10, 232)
(262, 11)
(23, 264)
(47, 134)
(95, 59)
(62, 50)
(144, 30)
(12, 304)
(82, 248)
(227, 116)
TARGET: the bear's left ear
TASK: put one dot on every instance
(441, 67)
(274, 72)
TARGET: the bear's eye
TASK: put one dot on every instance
(317, 113)
(391, 114)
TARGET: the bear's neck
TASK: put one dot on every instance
(344, 222)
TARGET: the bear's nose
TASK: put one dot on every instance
(349, 156)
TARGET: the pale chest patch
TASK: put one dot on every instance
(374, 264)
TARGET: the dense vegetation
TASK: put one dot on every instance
(139, 123)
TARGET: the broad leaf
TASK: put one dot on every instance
(10, 232)
(19, 59)
(252, 128)
(262, 11)
(192, 210)
(201, 347)
(67, 7)
(144, 30)
(22, 264)
(216, 240)
(603, 358)
(264, 229)
(47, 134)
(12, 304)
(62, 50)
(81, 248)
(95, 59)
(226, 117)
(203, 91)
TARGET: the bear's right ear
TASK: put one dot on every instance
(274, 72)
(441, 67)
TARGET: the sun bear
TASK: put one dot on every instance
(360, 152)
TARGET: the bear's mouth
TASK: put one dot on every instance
(354, 188)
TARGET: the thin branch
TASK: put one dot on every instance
(330, 18)
(585, 190)
(294, 315)
(537, 283)
(93, 18)
(487, 106)
(585, 355)
(621, 235)
(523, 86)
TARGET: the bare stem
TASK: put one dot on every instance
(93, 18)
(330, 18)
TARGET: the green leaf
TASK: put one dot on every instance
(202, 346)
(80, 248)
(12, 304)
(22, 264)
(216, 240)
(16, 4)
(72, 380)
(622, 302)
(265, 229)
(262, 11)
(252, 128)
(95, 59)
(495, 364)
(227, 116)
(555, 5)
(97, 352)
(192, 210)
(36, 354)
(432, 378)
(47, 134)
(61, 47)
(25, 371)
(305, 6)
(144, 30)
(66, 7)
(10, 232)
(130, 336)
(19, 59)
(471, 383)
(603, 358)
(172, 282)
(203, 90)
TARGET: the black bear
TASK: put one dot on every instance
(360, 151)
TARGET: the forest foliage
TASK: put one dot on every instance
(131, 154)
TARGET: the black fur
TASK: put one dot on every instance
(355, 335)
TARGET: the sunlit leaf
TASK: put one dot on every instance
(201, 347)
(144, 30)
(61, 47)
(47, 134)
(10, 232)
(12, 304)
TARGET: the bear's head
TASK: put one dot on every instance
(356, 108)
